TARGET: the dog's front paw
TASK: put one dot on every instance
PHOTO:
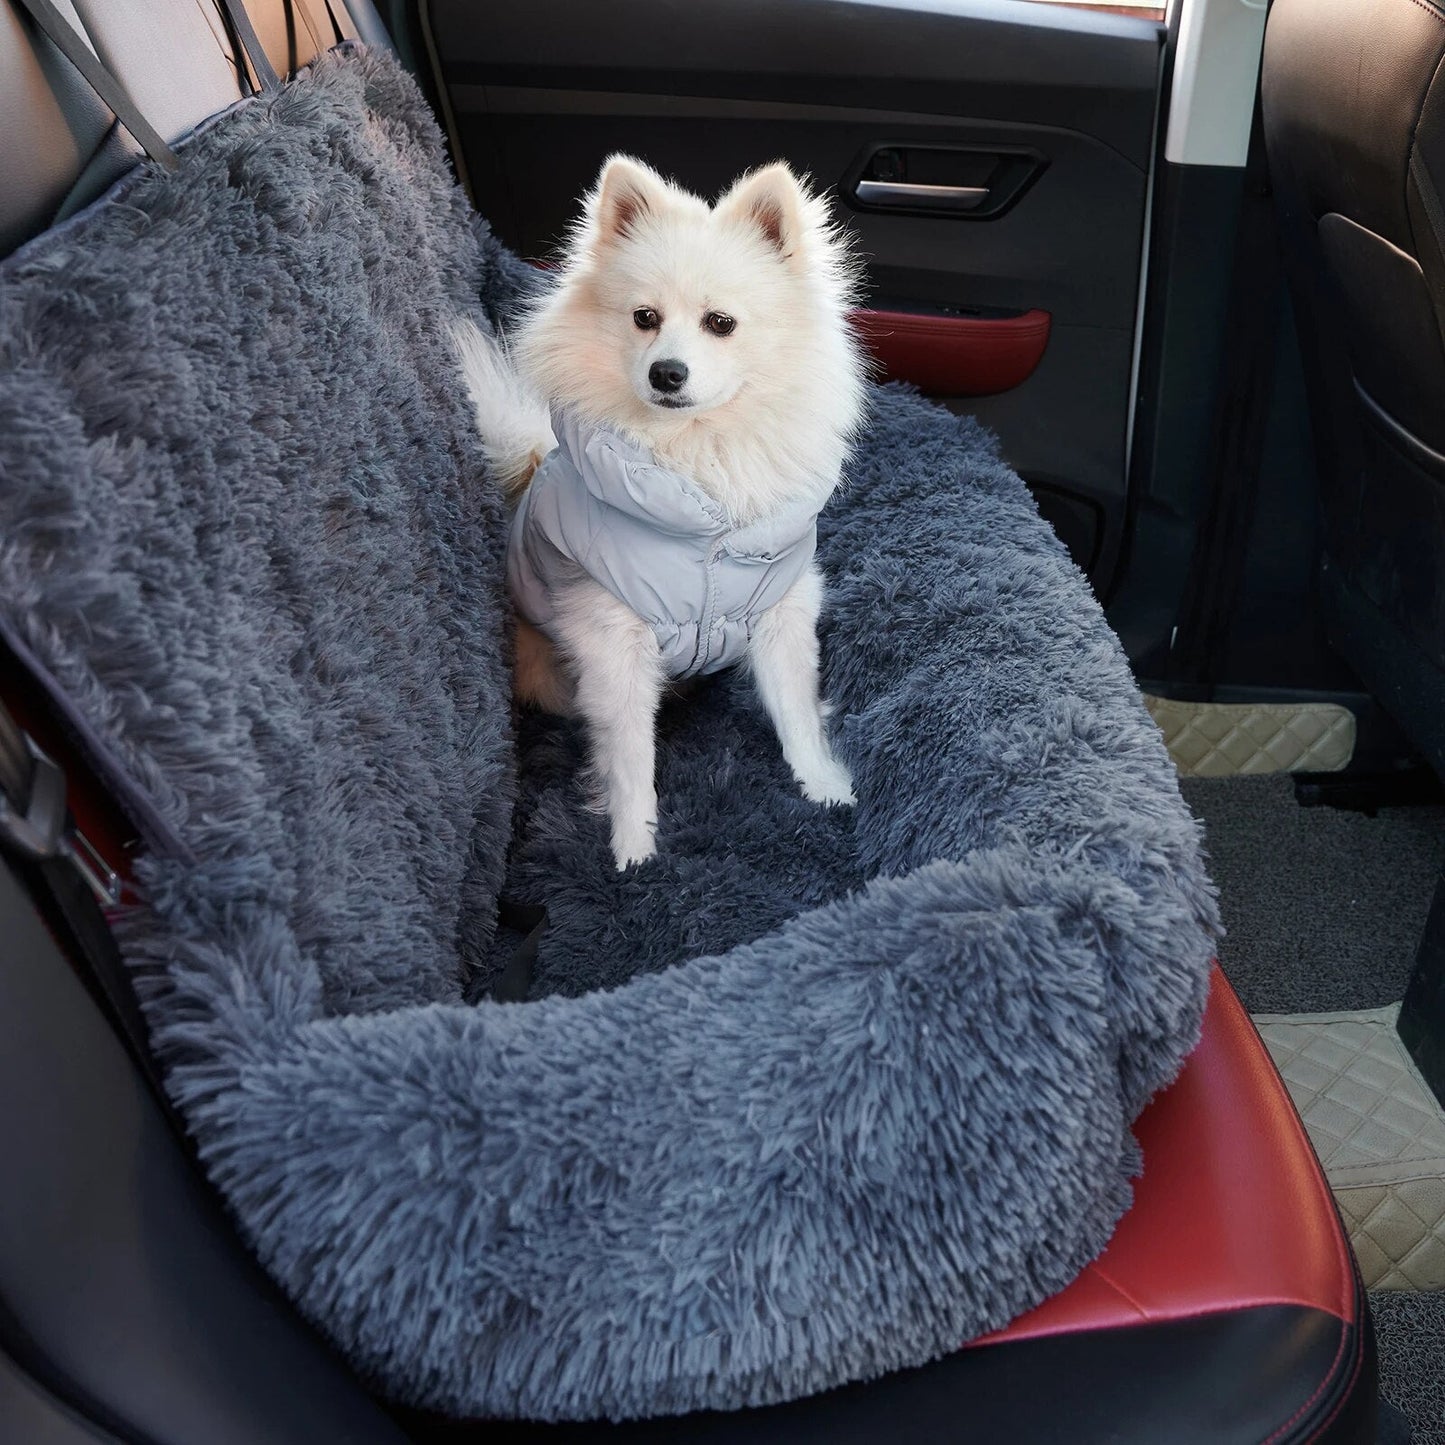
(633, 843)
(828, 782)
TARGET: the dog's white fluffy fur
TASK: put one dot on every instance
(762, 422)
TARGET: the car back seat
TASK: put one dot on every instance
(129, 1309)
(1227, 1308)
(176, 60)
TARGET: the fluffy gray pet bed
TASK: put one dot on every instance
(814, 1095)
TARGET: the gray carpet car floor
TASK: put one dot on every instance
(1324, 910)
(1411, 1330)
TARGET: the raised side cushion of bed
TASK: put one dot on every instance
(813, 1096)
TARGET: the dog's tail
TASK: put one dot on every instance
(512, 420)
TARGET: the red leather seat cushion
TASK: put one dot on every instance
(1232, 1209)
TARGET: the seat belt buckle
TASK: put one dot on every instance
(102, 880)
(40, 827)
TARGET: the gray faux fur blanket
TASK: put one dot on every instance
(813, 1096)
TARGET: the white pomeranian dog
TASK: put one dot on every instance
(673, 414)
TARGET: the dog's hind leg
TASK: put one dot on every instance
(538, 677)
(620, 678)
(784, 659)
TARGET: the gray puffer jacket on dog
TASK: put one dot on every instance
(600, 505)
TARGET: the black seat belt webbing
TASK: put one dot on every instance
(250, 43)
(304, 10)
(336, 26)
(516, 978)
(71, 44)
(1240, 424)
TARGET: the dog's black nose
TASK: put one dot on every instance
(667, 376)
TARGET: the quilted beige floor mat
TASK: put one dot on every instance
(1380, 1135)
(1217, 739)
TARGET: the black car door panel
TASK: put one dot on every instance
(1049, 112)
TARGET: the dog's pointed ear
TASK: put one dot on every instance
(626, 191)
(771, 199)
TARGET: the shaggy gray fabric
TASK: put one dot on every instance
(882, 1105)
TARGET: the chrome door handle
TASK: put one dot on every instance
(961, 183)
(908, 195)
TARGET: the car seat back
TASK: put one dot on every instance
(175, 59)
(129, 1309)
(1354, 109)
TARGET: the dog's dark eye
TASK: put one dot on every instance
(719, 324)
(646, 319)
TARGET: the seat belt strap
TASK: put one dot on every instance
(73, 46)
(305, 10)
(336, 26)
(250, 44)
(529, 919)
